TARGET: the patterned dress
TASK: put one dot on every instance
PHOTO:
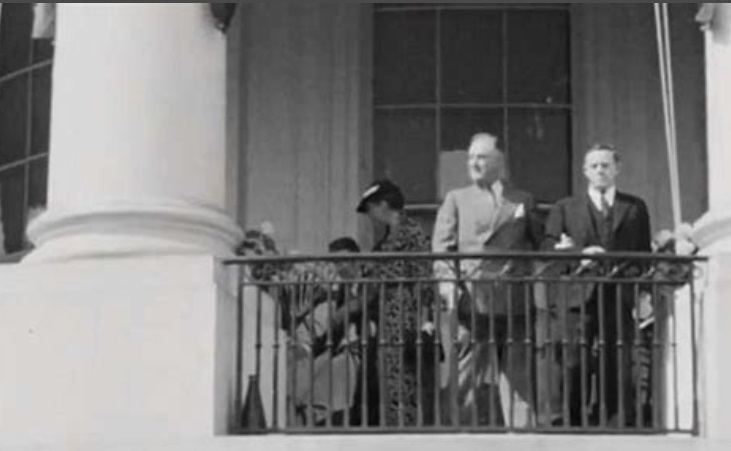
(400, 325)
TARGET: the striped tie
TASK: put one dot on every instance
(604, 205)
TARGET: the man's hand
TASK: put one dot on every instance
(591, 250)
(566, 242)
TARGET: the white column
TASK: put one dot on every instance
(138, 158)
(141, 348)
(713, 234)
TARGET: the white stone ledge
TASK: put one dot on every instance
(422, 442)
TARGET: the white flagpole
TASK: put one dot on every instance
(668, 101)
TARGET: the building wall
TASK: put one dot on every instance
(305, 152)
(617, 95)
(304, 120)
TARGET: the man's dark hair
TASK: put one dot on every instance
(607, 147)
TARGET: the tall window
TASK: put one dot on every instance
(445, 72)
(25, 101)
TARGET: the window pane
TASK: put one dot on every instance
(405, 151)
(13, 119)
(15, 41)
(12, 197)
(472, 57)
(42, 50)
(459, 124)
(540, 155)
(41, 123)
(38, 186)
(405, 57)
(538, 57)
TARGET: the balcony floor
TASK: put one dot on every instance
(418, 442)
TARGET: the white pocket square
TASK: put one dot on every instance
(520, 211)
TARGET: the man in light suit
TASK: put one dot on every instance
(487, 216)
(602, 219)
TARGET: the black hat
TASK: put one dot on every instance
(345, 243)
(381, 190)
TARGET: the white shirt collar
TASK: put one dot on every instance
(496, 189)
(596, 197)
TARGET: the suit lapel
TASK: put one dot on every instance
(504, 212)
(620, 211)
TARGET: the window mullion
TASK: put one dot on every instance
(28, 136)
(438, 98)
(506, 116)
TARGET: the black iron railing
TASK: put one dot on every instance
(514, 342)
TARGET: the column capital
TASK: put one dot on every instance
(133, 227)
(137, 162)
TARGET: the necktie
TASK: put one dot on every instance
(604, 205)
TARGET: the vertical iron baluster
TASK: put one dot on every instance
(545, 353)
(294, 344)
(380, 349)
(400, 348)
(258, 345)
(239, 348)
(674, 347)
(620, 350)
(508, 357)
(275, 369)
(583, 357)
(636, 355)
(309, 300)
(365, 349)
(437, 347)
(529, 349)
(453, 361)
(601, 343)
(693, 351)
(493, 355)
(346, 287)
(474, 346)
(329, 349)
(253, 415)
(566, 347)
(657, 360)
(419, 356)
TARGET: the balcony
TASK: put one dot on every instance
(549, 343)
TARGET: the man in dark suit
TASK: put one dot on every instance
(598, 220)
(489, 215)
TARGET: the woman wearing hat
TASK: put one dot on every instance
(398, 310)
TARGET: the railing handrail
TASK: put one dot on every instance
(518, 255)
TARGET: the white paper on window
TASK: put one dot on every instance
(44, 20)
(452, 171)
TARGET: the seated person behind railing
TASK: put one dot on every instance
(302, 290)
(326, 360)
(299, 287)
